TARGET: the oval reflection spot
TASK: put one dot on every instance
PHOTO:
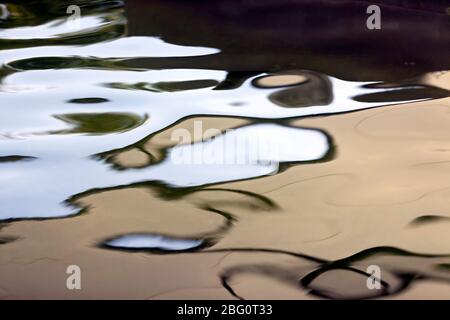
(88, 100)
(154, 242)
(101, 123)
(282, 80)
(16, 158)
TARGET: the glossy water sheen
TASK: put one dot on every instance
(89, 174)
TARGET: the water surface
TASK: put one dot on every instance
(354, 127)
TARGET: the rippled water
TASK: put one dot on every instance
(90, 172)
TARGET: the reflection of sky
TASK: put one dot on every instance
(153, 242)
(252, 145)
(54, 29)
(129, 47)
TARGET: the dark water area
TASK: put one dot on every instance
(224, 149)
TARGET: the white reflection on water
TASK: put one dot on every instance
(129, 47)
(56, 28)
(150, 241)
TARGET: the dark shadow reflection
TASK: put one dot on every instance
(328, 36)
